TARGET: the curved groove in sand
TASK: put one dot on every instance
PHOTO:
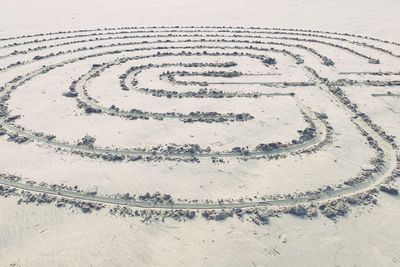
(377, 178)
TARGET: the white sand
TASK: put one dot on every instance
(48, 236)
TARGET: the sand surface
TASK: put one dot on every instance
(45, 235)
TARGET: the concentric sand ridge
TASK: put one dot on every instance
(221, 118)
